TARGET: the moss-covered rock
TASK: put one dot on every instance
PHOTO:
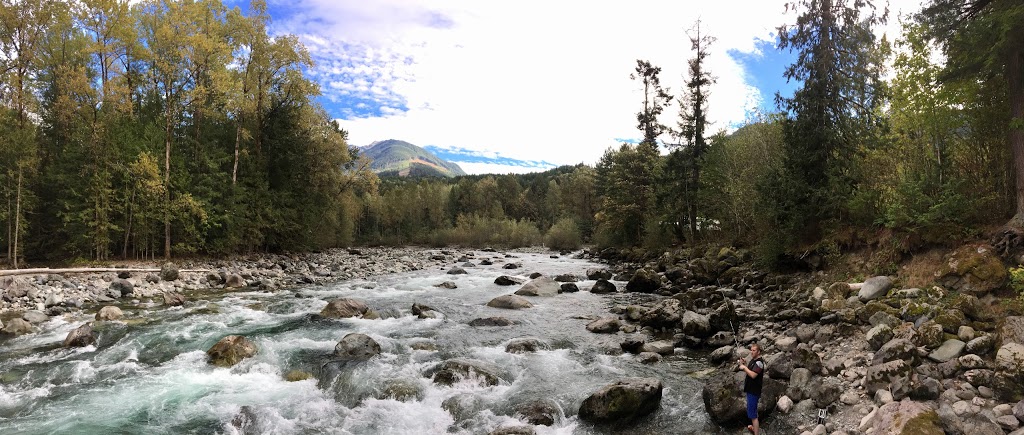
(929, 335)
(950, 320)
(231, 350)
(297, 375)
(624, 400)
(974, 269)
(864, 314)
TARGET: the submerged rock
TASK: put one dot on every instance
(447, 284)
(603, 286)
(626, 399)
(524, 345)
(491, 321)
(459, 369)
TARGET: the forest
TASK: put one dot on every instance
(162, 129)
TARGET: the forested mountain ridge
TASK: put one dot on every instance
(394, 157)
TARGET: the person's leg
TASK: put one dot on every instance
(752, 413)
(757, 428)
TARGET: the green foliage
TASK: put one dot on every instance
(476, 230)
(563, 235)
(1017, 282)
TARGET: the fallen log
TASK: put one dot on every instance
(46, 270)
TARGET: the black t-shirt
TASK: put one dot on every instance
(752, 385)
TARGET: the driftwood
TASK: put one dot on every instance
(46, 270)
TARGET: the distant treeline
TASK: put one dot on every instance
(167, 128)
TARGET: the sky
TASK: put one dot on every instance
(527, 85)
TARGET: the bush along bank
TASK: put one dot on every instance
(872, 357)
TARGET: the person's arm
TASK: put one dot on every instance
(749, 372)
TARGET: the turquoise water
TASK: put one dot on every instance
(149, 374)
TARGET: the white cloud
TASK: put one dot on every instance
(495, 168)
(531, 79)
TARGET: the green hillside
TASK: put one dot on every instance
(394, 157)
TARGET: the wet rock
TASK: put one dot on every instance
(569, 287)
(457, 271)
(535, 275)
(401, 390)
(173, 299)
(18, 327)
(624, 400)
(597, 274)
(447, 285)
(511, 266)
(632, 344)
(542, 286)
(874, 288)
(460, 369)
(464, 406)
(506, 280)
(425, 312)
(566, 277)
(356, 347)
(514, 430)
(660, 347)
(344, 308)
(510, 302)
(603, 286)
(648, 357)
(605, 325)
(541, 412)
(231, 350)
(644, 281)
(247, 421)
(491, 321)
(169, 272)
(34, 317)
(81, 336)
(297, 375)
(524, 345)
(122, 287)
(234, 280)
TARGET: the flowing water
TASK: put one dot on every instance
(151, 376)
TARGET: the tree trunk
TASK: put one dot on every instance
(17, 218)
(167, 186)
(238, 139)
(1015, 77)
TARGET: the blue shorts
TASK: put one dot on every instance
(752, 405)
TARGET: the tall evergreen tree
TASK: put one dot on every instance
(655, 100)
(831, 115)
(693, 122)
(986, 37)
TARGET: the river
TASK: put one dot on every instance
(150, 374)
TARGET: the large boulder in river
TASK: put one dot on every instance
(603, 286)
(81, 336)
(356, 347)
(174, 299)
(644, 281)
(974, 269)
(725, 402)
(624, 400)
(234, 280)
(509, 302)
(666, 313)
(507, 280)
(874, 288)
(109, 312)
(542, 286)
(344, 308)
(604, 325)
(460, 369)
(596, 274)
(231, 350)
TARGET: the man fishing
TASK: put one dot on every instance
(752, 385)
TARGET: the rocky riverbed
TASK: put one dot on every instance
(871, 356)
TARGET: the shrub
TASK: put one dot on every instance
(563, 235)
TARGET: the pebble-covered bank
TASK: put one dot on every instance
(55, 294)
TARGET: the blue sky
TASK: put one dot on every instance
(524, 86)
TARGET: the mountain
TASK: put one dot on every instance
(402, 159)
